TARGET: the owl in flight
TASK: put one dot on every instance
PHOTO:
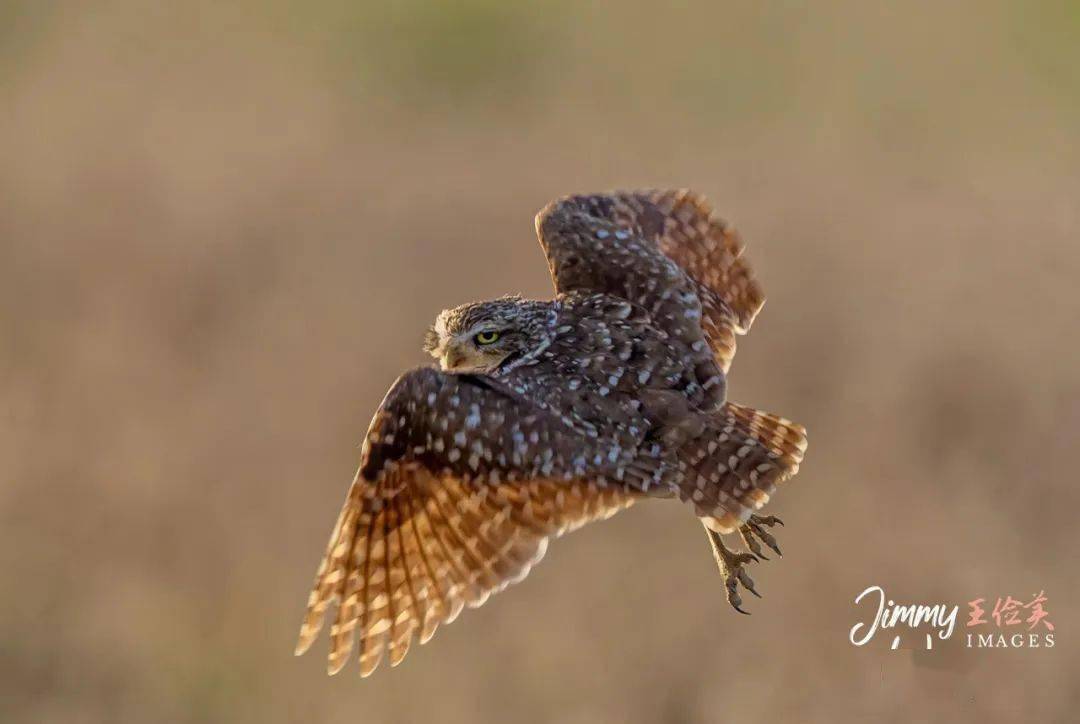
(545, 415)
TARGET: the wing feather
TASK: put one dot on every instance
(676, 223)
(425, 532)
(434, 596)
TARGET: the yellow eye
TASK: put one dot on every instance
(486, 337)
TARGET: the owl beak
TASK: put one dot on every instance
(452, 357)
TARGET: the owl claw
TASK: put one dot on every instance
(754, 530)
(751, 544)
(747, 582)
(732, 568)
(735, 601)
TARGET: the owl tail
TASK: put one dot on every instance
(736, 463)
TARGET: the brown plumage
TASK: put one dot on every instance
(549, 414)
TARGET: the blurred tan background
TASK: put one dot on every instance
(224, 228)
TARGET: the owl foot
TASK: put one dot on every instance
(732, 568)
(752, 531)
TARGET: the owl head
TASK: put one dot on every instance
(492, 336)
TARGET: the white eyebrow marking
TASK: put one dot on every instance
(440, 329)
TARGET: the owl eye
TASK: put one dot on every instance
(486, 337)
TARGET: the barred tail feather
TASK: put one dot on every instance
(737, 462)
(779, 434)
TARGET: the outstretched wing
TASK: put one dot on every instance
(460, 486)
(611, 243)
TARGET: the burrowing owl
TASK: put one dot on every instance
(546, 415)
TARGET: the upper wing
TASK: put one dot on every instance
(460, 486)
(594, 243)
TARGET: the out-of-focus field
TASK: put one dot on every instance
(224, 230)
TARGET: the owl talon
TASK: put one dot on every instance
(747, 582)
(733, 597)
(754, 530)
(732, 568)
(752, 545)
